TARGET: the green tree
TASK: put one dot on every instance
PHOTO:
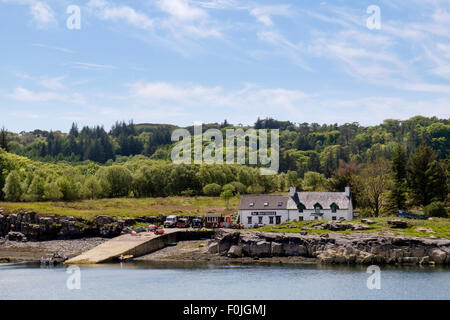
(68, 188)
(397, 194)
(373, 184)
(91, 188)
(4, 139)
(212, 189)
(427, 178)
(227, 195)
(35, 190)
(13, 189)
(314, 181)
(52, 192)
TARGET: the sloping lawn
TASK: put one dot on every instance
(128, 207)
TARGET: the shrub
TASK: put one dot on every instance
(68, 188)
(52, 192)
(12, 189)
(91, 188)
(212, 189)
(239, 187)
(436, 209)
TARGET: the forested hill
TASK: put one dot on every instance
(303, 147)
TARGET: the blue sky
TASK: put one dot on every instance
(180, 61)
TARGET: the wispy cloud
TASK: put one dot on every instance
(108, 11)
(91, 66)
(264, 14)
(25, 95)
(41, 12)
(53, 83)
(61, 49)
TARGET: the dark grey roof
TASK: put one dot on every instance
(325, 199)
(259, 201)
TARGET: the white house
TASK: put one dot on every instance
(262, 210)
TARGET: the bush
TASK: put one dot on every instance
(12, 189)
(91, 188)
(212, 189)
(52, 192)
(436, 209)
(115, 181)
(239, 187)
(68, 188)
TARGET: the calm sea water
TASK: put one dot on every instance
(186, 281)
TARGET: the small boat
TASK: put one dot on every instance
(171, 244)
(412, 215)
(126, 258)
(56, 259)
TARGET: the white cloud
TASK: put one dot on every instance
(186, 19)
(43, 15)
(181, 10)
(91, 66)
(263, 14)
(196, 96)
(295, 52)
(40, 45)
(107, 11)
(52, 83)
(25, 95)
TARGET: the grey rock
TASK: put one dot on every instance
(235, 252)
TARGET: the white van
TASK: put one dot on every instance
(171, 222)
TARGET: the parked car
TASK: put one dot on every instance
(183, 223)
(171, 222)
(197, 223)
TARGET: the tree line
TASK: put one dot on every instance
(396, 165)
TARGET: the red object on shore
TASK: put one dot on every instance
(159, 231)
(133, 233)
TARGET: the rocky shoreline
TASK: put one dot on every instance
(31, 226)
(333, 248)
(27, 236)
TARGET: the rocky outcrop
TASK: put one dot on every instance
(38, 227)
(333, 248)
(399, 224)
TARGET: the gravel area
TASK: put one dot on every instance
(12, 251)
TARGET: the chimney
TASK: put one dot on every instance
(347, 192)
(292, 191)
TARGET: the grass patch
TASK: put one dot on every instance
(128, 207)
(440, 227)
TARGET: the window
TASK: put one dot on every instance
(252, 204)
(316, 218)
(300, 218)
(266, 204)
(317, 207)
(334, 207)
(260, 220)
(249, 220)
(270, 220)
(334, 218)
(280, 203)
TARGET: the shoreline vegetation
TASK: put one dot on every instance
(92, 183)
(75, 227)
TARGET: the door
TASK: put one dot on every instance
(278, 219)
